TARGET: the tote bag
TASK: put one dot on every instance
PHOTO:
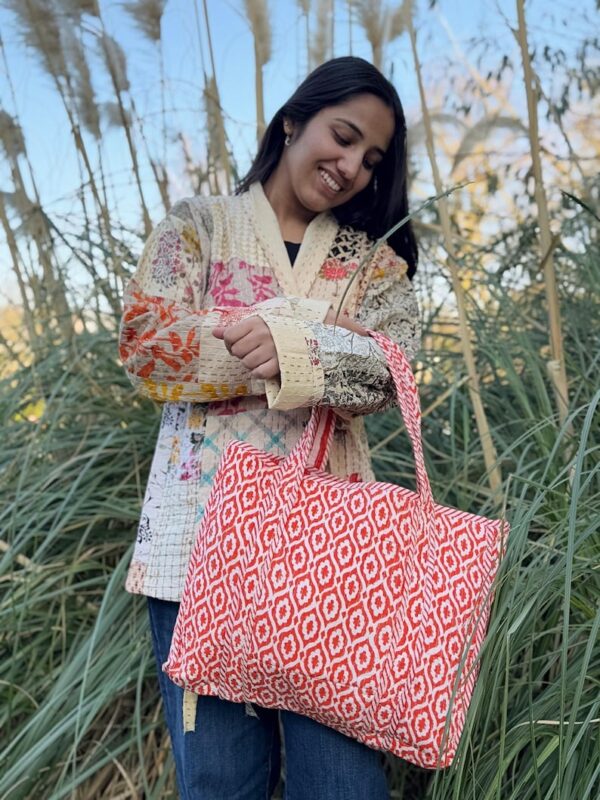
(362, 605)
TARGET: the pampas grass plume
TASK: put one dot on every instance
(113, 115)
(76, 8)
(115, 61)
(40, 29)
(11, 136)
(147, 15)
(258, 17)
(83, 92)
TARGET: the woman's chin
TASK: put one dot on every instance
(320, 201)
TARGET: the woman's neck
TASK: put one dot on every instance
(292, 218)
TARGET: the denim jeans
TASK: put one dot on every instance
(234, 756)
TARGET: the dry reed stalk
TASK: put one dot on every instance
(399, 20)
(488, 88)
(215, 128)
(372, 15)
(380, 24)
(34, 225)
(82, 90)
(304, 6)
(257, 13)
(195, 173)
(318, 51)
(158, 170)
(556, 366)
(489, 452)
(76, 8)
(217, 108)
(496, 91)
(21, 283)
(117, 69)
(147, 16)
(14, 145)
(41, 30)
(350, 6)
(13, 95)
(161, 176)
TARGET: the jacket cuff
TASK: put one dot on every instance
(309, 309)
(301, 377)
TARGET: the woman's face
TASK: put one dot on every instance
(333, 156)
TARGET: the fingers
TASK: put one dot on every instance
(253, 327)
(251, 341)
(270, 369)
(261, 355)
(262, 361)
(250, 325)
(247, 336)
(240, 348)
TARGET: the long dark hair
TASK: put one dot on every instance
(384, 201)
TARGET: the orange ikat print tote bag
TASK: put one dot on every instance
(360, 604)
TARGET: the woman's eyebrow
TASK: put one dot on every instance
(358, 131)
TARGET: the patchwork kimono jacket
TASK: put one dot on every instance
(214, 261)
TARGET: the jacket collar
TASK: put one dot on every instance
(316, 244)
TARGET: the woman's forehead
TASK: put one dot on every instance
(367, 115)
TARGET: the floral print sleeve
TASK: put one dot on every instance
(356, 378)
(343, 369)
(166, 342)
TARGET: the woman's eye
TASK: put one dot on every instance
(368, 165)
(340, 140)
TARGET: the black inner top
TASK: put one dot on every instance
(292, 250)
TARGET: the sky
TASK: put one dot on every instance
(446, 34)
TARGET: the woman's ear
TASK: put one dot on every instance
(288, 129)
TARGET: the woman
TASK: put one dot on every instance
(229, 321)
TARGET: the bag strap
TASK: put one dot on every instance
(323, 438)
(407, 396)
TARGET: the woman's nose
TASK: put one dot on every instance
(349, 165)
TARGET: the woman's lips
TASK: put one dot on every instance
(329, 182)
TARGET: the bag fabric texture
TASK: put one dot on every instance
(363, 605)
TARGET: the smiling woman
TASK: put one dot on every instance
(229, 321)
(328, 160)
(329, 91)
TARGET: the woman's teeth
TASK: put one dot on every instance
(329, 181)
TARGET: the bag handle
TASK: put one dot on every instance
(322, 439)
(407, 396)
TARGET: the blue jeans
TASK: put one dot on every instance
(234, 756)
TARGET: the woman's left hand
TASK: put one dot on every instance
(251, 341)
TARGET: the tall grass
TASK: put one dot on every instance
(73, 647)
